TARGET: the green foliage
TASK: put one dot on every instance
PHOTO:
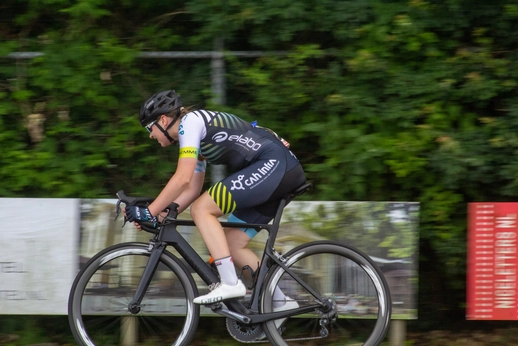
(32, 330)
(381, 100)
(385, 230)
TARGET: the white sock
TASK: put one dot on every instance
(226, 270)
(279, 299)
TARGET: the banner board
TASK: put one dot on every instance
(38, 254)
(41, 253)
(492, 261)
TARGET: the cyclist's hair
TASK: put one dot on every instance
(183, 110)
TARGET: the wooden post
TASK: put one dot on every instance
(397, 333)
(129, 331)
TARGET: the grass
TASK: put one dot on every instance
(54, 330)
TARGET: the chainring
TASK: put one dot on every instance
(242, 332)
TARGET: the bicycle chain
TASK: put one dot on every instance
(324, 333)
(251, 332)
(249, 337)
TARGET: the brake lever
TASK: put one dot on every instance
(118, 211)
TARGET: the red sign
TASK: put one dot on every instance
(492, 261)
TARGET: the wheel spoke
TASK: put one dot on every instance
(357, 292)
(98, 304)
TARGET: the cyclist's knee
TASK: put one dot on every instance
(204, 206)
(196, 209)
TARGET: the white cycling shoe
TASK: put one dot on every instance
(221, 291)
(290, 305)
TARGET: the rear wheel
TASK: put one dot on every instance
(98, 302)
(357, 295)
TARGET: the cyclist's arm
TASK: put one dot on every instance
(194, 189)
(191, 130)
(178, 183)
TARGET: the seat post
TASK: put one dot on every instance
(280, 209)
(286, 200)
(279, 212)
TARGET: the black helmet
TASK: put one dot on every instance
(161, 103)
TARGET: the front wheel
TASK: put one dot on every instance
(358, 304)
(98, 302)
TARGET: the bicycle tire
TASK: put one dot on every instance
(356, 286)
(98, 301)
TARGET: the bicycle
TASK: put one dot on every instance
(135, 293)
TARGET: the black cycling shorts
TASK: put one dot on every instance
(253, 193)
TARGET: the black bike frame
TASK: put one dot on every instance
(169, 235)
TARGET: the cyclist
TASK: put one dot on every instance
(263, 167)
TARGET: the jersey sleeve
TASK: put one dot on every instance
(190, 133)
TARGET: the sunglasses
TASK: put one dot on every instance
(150, 125)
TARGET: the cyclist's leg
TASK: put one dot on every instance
(256, 185)
(260, 213)
(238, 239)
(238, 244)
(251, 186)
(205, 214)
(243, 256)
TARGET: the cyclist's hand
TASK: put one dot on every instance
(139, 214)
(160, 218)
(137, 226)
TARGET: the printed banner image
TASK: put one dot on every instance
(387, 232)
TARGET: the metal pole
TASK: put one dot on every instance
(166, 54)
(217, 65)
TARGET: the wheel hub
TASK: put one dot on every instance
(134, 308)
(330, 311)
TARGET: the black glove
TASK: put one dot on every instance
(139, 214)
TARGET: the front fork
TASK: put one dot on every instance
(156, 249)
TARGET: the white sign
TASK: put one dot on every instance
(38, 254)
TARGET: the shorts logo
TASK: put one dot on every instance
(220, 137)
(237, 184)
(256, 177)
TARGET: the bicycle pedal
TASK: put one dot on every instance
(214, 306)
(253, 276)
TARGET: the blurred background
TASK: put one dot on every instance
(381, 100)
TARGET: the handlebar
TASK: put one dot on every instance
(129, 200)
(172, 209)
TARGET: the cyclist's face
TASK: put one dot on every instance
(156, 133)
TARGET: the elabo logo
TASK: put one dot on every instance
(245, 141)
(256, 177)
(220, 137)
(240, 140)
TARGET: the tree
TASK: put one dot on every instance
(382, 100)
